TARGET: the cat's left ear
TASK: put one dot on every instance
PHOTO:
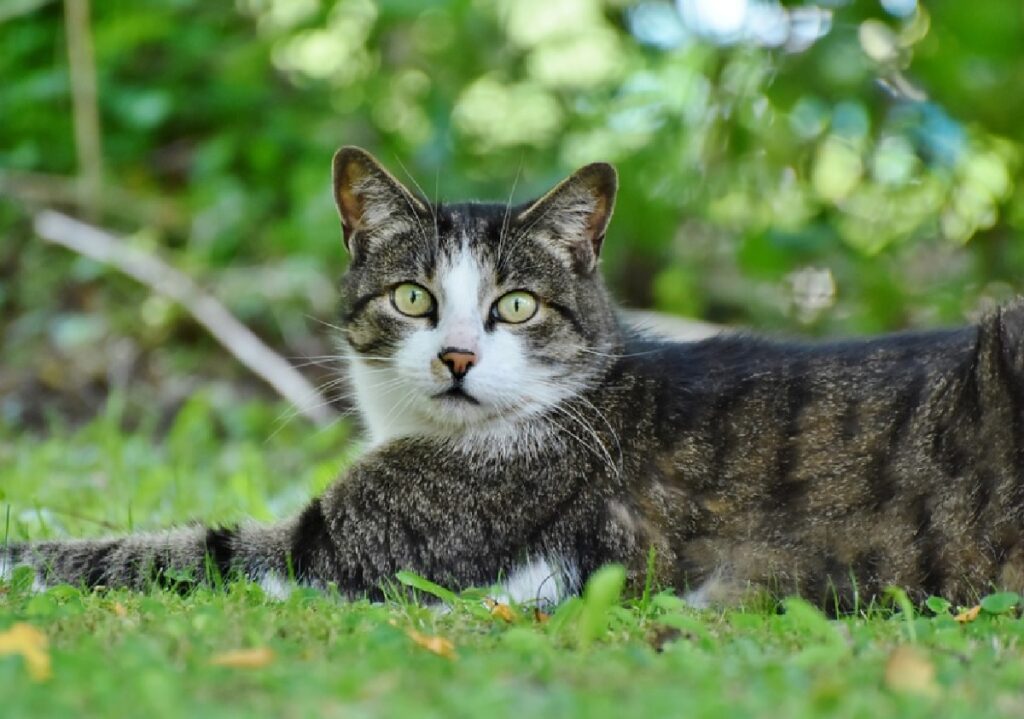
(575, 213)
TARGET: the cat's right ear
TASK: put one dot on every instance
(575, 214)
(369, 198)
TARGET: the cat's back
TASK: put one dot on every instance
(798, 462)
(738, 387)
(709, 366)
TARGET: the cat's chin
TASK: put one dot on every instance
(459, 414)
(484, 427)
(455, 396)
(454, 411)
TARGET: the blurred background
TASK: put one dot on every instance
(829, 168)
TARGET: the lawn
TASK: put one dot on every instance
(236, 652)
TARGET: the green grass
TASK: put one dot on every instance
(127, 654)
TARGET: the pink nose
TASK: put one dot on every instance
(458, 361)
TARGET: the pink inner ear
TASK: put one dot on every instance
(351, 208)
(598, 221)
(350, 203)
(367, 194)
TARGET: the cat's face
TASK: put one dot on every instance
(470, 316)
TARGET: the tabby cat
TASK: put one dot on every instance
(521, 433)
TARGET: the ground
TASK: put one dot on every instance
(236, 652)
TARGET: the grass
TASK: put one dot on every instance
(156, 654)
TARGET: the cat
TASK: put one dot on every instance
(520, 432)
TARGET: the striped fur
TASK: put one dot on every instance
(833, 470)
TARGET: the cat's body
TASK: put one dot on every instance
(519, 431)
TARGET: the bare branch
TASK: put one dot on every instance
(153, 272)
(82, 66)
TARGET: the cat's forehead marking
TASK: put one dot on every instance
(461, 279)
(475, 222)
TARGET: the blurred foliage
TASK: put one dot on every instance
(838, 168)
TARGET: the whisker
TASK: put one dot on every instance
(524, 232)
(325, 323)
(580, 420)
(396, 410)
(614, 355)
(508, 211)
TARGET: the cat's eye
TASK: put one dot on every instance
(412, 300)
(515, 307)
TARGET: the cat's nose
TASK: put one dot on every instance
(458, 361)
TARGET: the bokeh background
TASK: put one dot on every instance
(828, 168)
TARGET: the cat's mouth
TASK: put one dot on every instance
(456, 393)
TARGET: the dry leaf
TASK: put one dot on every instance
(119, 610)
(438, 645)
(31, 644)
(968, 615)
(501, 611)
(254, 658)
(540, 617)
(908, 670)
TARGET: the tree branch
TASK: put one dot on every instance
(153, 272)
(82, 66)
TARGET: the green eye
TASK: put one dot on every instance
(411, 299)
(515, 307)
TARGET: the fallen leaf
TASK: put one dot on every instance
(438, 645)
(540, 617)
(31, 644)
(908, 670)
(500, 611)
(254, 658)
(968, 615)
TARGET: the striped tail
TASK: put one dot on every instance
(183, 558)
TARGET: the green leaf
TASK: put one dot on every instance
(688, 625)
(806, 618)
(41, 605)
(900, 599)
(64, 592)
(22, 578)
(937, 605)
(411, 579)
(525, 641)
(1000, 602)
(566, 615)
(602, 593)
(668, 602)
(818, 655)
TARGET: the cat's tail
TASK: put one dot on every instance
(182, 558)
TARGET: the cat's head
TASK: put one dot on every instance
(461, 317)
